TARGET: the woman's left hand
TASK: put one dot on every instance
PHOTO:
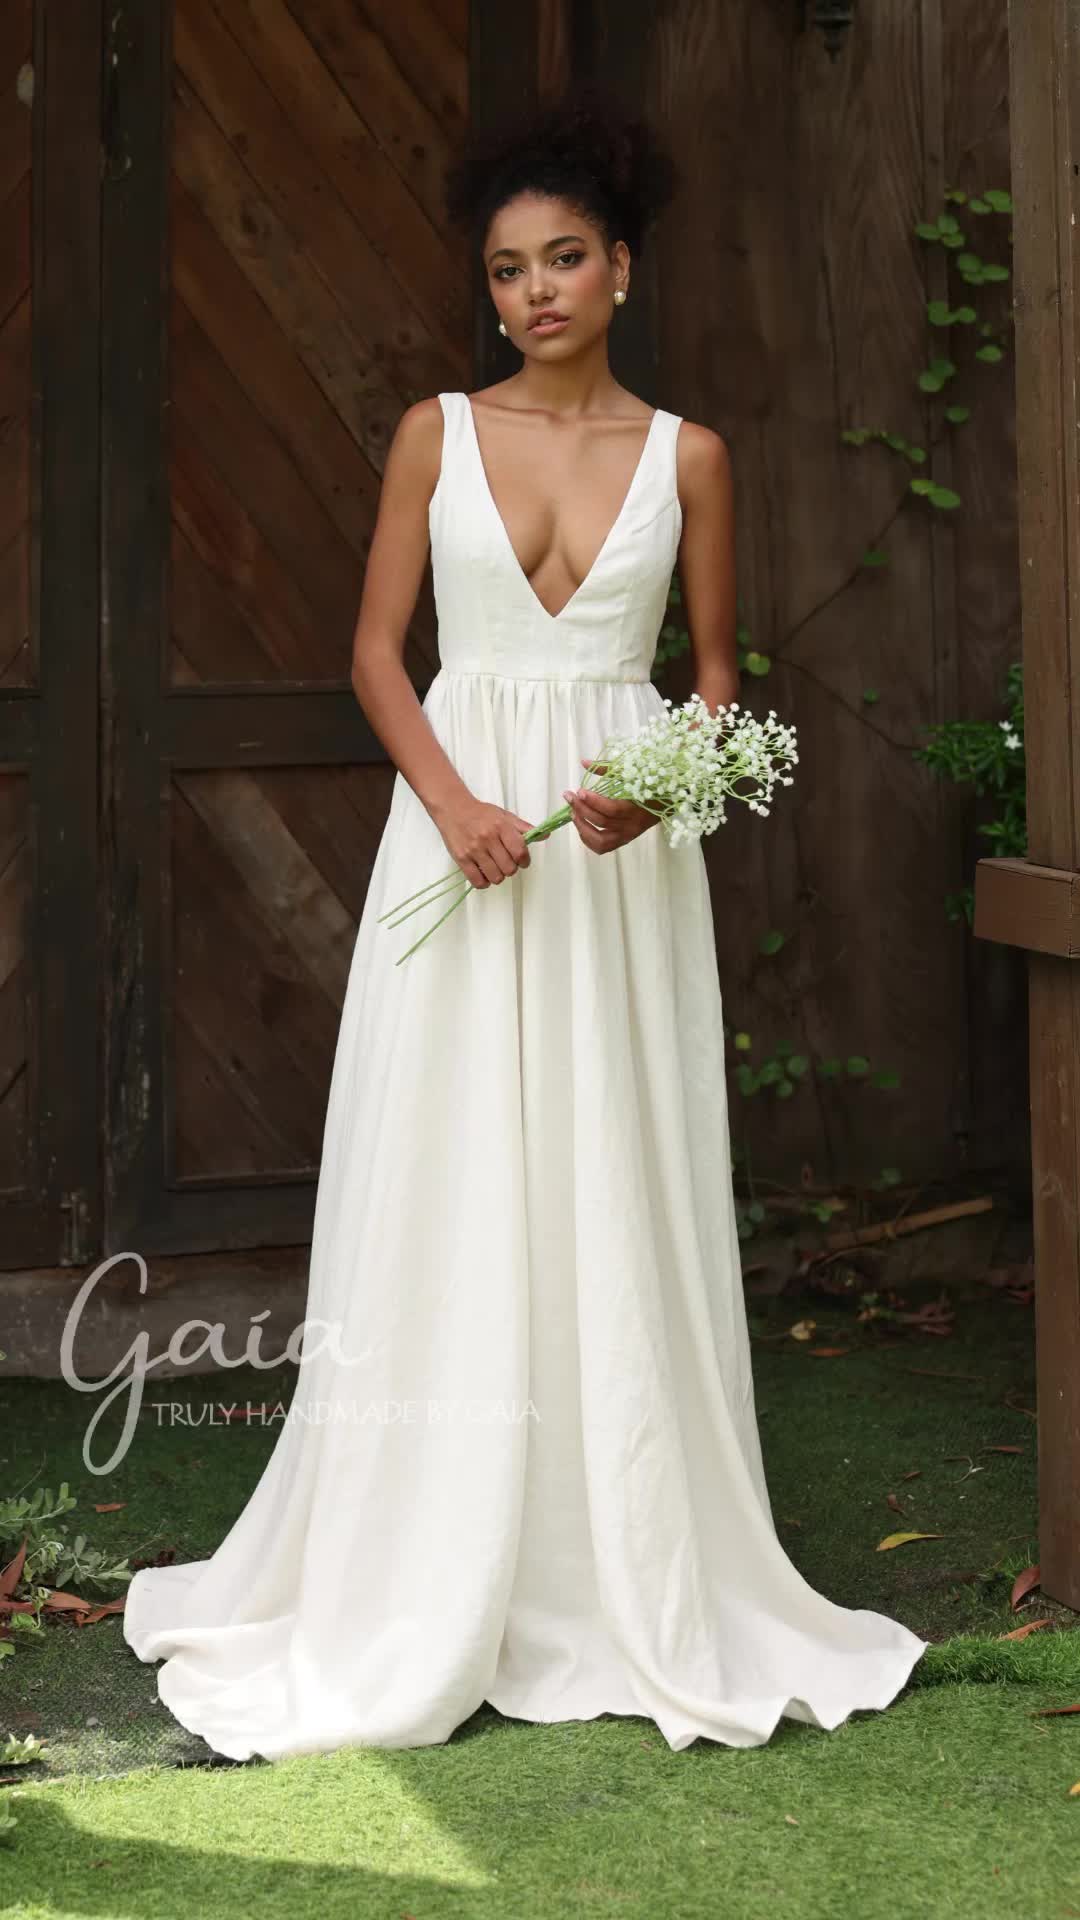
(603, 823)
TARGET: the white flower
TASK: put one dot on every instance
(683, 766)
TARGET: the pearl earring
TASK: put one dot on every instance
(502, 329)
(620, 296)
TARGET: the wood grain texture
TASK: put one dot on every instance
(804, 313)
(298, 293)
(17, 665)
(14, 983)
(50, 157)
(1045, 89)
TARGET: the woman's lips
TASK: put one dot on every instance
(549, 326)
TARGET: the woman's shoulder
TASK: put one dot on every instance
(703, 455)
(416, 447)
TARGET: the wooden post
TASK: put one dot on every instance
(1035, 903)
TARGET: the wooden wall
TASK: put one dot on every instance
(16, 662)
(790, 305)
(224, 264)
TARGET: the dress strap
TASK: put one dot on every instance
(664, 477)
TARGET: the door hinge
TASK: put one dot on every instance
(75, 1206)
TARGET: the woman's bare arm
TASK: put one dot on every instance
(486, 840)
(707, 561)
(392, 580)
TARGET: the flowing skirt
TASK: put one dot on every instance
(522, 1461)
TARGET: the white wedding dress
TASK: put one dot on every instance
(540, 1483)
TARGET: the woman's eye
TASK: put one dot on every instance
(573, 254)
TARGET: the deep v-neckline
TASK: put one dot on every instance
(605, 543)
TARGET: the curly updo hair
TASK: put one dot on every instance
(582, 148)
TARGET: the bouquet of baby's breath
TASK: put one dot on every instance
(681, 766)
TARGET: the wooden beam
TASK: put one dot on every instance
(1020, 904)
(1044, 45)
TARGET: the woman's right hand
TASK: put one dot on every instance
(487, 841)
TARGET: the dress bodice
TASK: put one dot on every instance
(490, 619)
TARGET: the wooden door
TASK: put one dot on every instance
(49, 479)
(276, 288)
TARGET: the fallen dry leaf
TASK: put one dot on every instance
(1023, 1585)
(60, 1602)
(901, 1540)
(95, 1614)
(1021, 1633)
(12, 1573)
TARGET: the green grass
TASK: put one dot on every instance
(953, 1801)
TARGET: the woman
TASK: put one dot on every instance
(527, 1470)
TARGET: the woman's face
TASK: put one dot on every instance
(542, 253)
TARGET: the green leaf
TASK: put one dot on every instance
(874, 557)
(746, 1080)
(829, 1069)
(784, 1088)
(938, 313)
(797, 1065)
(998, 199)
(957, 415)
(743, 1042)
(922, 486)
(995, 271)
(931, 382)
(989, 352)
(870, 694)
(886, 1077)
(758, 663)
(948, 223)
(770, 1073)
(969, 263)
(980, 206)
(944, 497)
(966, 315)
(857, 1065)
(890, 1176)
(771, 942)
(927, 232)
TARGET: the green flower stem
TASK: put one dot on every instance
(443, 877)
(447, 886)
(550, 825)
(466, 890)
